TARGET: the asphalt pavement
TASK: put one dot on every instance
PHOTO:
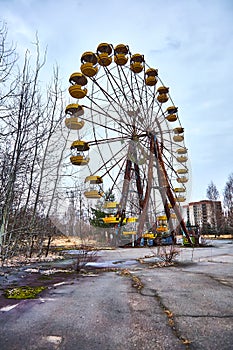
(185, 306)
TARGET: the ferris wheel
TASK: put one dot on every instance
(129, 146)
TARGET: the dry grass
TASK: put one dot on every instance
(68, 242)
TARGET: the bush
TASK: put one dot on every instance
(168, 253)
(85, 255)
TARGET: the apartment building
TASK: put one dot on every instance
(205, 214)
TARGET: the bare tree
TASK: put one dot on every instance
(8, 59)
(212, 192)
(28, 119)
(19, 119)
(228, 201)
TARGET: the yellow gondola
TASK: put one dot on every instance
(80, 145)
(172, 110)
(162, 218)
(173, 216)
(150, 76)
(94, 179)
(132, 219)
(130, 227)
(182, 159)
(94, 190)
(120, 52)
(180, 199)
(113, 220)
(74, 111)
(110, 205)
(104, 51)
(79, 160)
(171, 117)
(78, 78)
(162, 91)
(178, 130)
(78, 81)
(181, 150)
(89, 61)
(178, 138)
(127, 233)
(179, 189)
(182, 179)
(161, 223)
(162, 229)
(137, 63)
(149, 235)
(171, 113)
(73, 123)
(182, 171)
(93, 194)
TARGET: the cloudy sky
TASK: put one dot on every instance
(189, 41)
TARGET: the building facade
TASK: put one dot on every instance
(206, 214)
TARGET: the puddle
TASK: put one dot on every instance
(77, 252)
(112, 263)
(100, 256)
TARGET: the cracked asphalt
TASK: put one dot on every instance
(185, 306)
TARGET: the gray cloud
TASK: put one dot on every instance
(190, 42)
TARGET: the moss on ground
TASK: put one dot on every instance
(24, 292)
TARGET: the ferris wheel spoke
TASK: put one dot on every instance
(134, 104)
(140, 91)
(152, 114)
(120, 87)
(101, 111)
(117, 157)
(112, 101)
(107, 141)
(96, 123)
(122, 96)
(115, 180)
